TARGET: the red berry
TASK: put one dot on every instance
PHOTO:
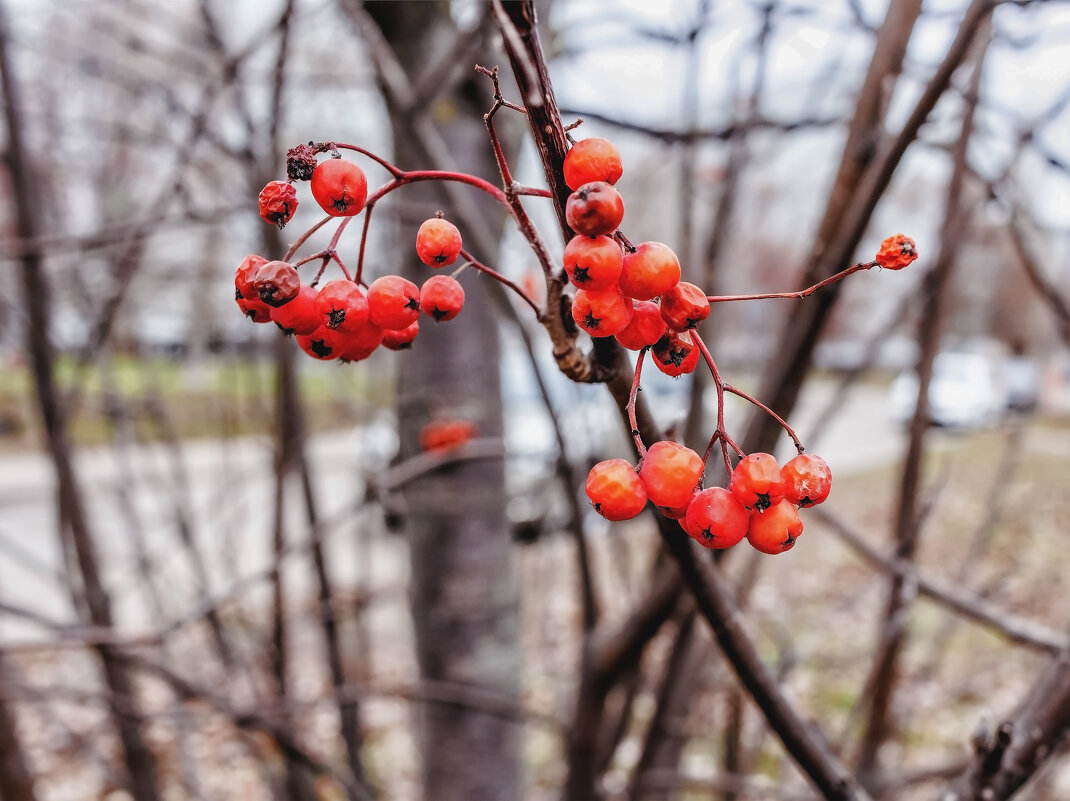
(670, 473)
(615, 490)
(897, 252)
(342, 306)
(675, 354)
(593, 263)
(756, 482)
(684, 306)
(594, 209)
(278, 202)
(243, 277)
(393, 302)
(438, 242)
(716, 518)
(401, 340)
(807, 480)
(678, 512)
(776, 529)
(590, 160)
(601, 314)
(646, 327)
(442, 297)
(651, 270)
(277, 283)
(360, 344)
(256, 310)
(339, 187)
(443, 435)
(323, 344)
(299, 316)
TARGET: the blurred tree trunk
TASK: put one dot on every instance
(462, 589)
(16, 781)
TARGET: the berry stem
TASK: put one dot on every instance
(296, 246)
(783, 424)
(501, 279)
(386, 165)
(631, 403)
(802, 293)
(720, 433)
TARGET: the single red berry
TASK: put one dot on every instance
(675, 354)
(716, 518)
(897, 252)
(300, 162)
(278, 202)
(651, 270)
(340, 187)
(593, 263)
(757, 482)
(615, 490)
(670, 473)
(342, 306)
(401, 340)
(277, 283)
(594, 209)
(255, 309)
(442, 297)
(393, 302)
(299, 316)
(776, 529)
(243, 277)
(438, 242)
(444, 435)
(590, 160)
(358, 345)
(601, 313)
(646, 327)
(323, 344)
(807, 480)
(684, 306)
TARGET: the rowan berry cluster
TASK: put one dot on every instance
(344, 318)
(633, 293)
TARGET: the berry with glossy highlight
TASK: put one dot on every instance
(438, 242)
(616, 490)
(340, 187)
(716, 519)
(807, 480)
(776, 529)
(670, 472)
(592, 159)
(594, 209)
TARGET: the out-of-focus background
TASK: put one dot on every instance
(227, 571)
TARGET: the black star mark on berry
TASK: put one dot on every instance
(590, 321)
(581, 275)
(335, 317)
(439, 314)
(412, 303)
(320, 348)
(676, 356)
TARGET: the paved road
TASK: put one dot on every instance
(229, 507)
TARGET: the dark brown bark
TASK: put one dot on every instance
(74, 527)
(16, 780)
(463, 597)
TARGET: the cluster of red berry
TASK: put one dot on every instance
(632, 293)
(345, 319)
(761, 502)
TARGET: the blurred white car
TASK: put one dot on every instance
(965, 392)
